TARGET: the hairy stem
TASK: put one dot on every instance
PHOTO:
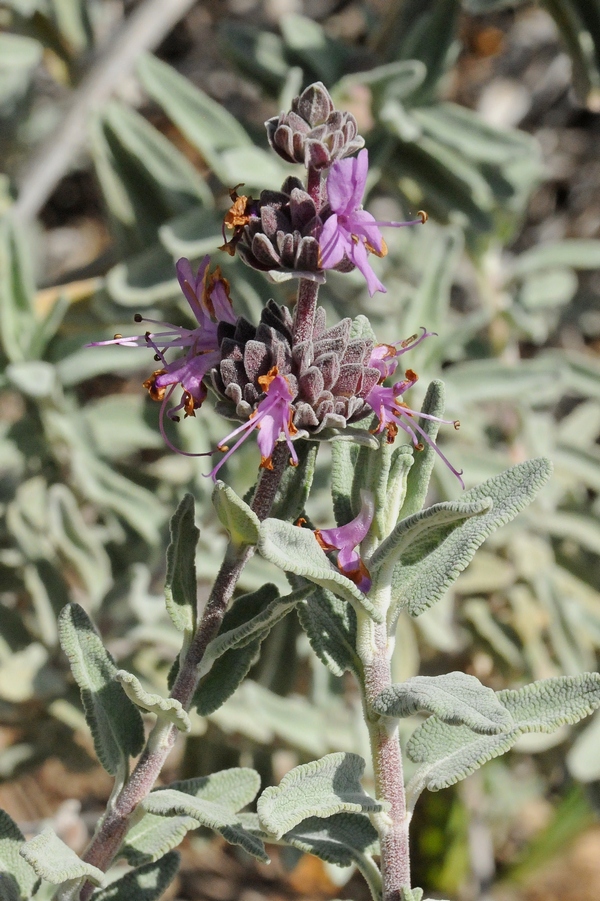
(113, 827)
(392, 826)
(304, 312)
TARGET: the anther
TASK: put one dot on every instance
(456, 424)
(158, 358)
(423, 216)
(117, 337)
(138, 317)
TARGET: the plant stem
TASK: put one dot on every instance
(375, 650)
(306, 305)
(113, 827)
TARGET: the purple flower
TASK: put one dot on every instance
(209, 300)
(350, 231)
(272, 417)
(394, 414)
(345, 540)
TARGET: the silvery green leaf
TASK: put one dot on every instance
(361, 327)
(330, 624)
(297, 551)
(147, 883)
(311, 46)
(210, 810)
(431, 562)
(320, 788)
(397, 79)
(583, 760)
(256, 614)
(296, 483)
(205, 124)
(35, 378)
(238, 518)
(455, 698)
(411, 894)
(573, 252)
(342, 839)
(180, 579)
(229, 669)
(420, 473)
(451, 753)
(403, 460)
(233, 788)
(152, 836)
(192, 234)
(167, 709)
(16, 876)
(114, 721)
(258, 53)
(55, 862)
(19, 55)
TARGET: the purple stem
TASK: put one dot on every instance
(109, 837)
(306, 304)
(389, 775)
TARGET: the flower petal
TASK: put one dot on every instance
(358, 254)
(346, 183)
(333, 243)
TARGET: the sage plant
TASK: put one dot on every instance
(291, 382)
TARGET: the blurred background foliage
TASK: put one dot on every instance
(484, 113)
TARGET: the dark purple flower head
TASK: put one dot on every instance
(346, 539)
(349, 232)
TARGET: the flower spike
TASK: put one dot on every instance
(345, 540)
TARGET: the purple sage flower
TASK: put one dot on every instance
(345, 540)
(393, 414)
(384, 357)
(272, 416)
(209, 300)
(350, 232)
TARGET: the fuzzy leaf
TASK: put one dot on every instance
(431, 560)
(241, 522)
(451, 753)
(321, 788)
(341, 839)
(420, 473)
(114, 721)
(16, 876)
(167, 709)
(296, 483)
(147, 883)
(55, 862)
(297, 551)
(211, 807)
(180, 580)
(153, 836)
(17, 289)
(330, 625)
(255, 615)
(260, 609)
(343, 463)
(454, 698)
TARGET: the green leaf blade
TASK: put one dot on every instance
(180, 580)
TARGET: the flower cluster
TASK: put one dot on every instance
(290, 376)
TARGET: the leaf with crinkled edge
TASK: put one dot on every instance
(297, 551)
(455, 698)
(240, 521)
(362, 328)
(251, 626)
(212, 814)
(451, 753)
(180, 580)
(413, 538)
(411, 894)
(420, 474)
(153, 836)
(55, 862)
(165, 708)
(437, 560)
(16, 876)
(320, 788)
(330, 625)
(114, 721)
(294, 487)
(147, 883)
